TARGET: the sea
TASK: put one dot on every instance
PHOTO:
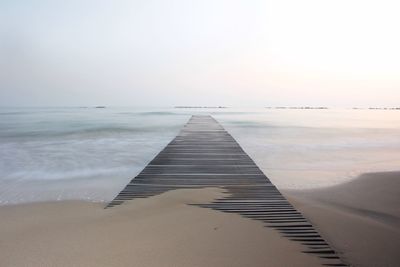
(89, 153)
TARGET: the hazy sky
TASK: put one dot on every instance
(200, 52)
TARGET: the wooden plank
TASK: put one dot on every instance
(204, 154)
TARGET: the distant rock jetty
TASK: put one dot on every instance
(384, 108)
(375, 108)
(93, 107)
(199, 107)
(297, 107)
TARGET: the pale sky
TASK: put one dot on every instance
(220, 52)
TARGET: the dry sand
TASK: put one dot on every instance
(361, 218)
(157, 231)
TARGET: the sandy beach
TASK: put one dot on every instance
(360, 219)
(158, 231)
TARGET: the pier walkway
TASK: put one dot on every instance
(204, 154)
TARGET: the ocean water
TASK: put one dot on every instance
(88, 153)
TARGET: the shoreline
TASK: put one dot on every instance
(360, 218)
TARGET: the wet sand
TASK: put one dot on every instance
(158, 231)
(360, 219)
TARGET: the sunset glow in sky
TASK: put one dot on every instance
(234, 53)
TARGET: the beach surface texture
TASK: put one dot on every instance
(360, 218)
(163, 230)
(157, 231)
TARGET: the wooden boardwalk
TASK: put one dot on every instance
(205, 155)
